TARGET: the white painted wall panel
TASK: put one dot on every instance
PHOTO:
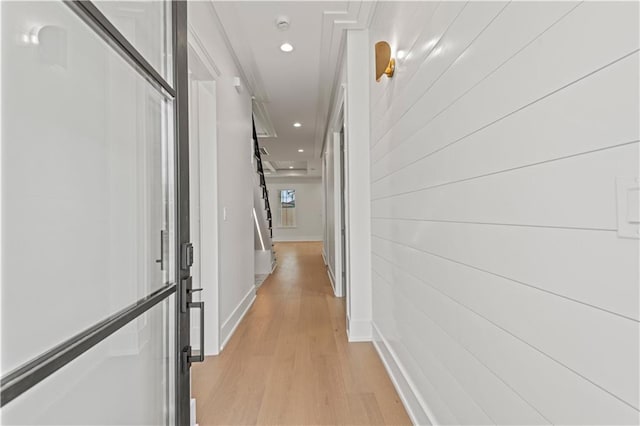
(523, 21)
(433, 18)
(500, 403)
(559, 394)
(584, 198)
(499, 278)
(573, 263)
(439, 412)
(609, 96)
(572, 46)
(569, 332)
(472, 21)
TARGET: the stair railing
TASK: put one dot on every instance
(263, 182)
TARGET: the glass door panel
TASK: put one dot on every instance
(87, 188)
(146, 24)
(127, 379)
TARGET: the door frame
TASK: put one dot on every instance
(203, 74)
(344, 242)
(340, 188)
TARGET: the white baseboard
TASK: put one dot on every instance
(230, 325)
(358, 330)
(297, 239)
(416, 408)
(331, 279)
(324, 257)
(192, 410)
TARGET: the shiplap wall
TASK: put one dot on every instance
(502, 292)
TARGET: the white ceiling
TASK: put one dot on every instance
(291, 87)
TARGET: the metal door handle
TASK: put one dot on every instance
(161, 260)
(200, 356)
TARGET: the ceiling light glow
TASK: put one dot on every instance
(401, 54)
(301, 150)
(291, 167)
(286, 47)
(297, 125)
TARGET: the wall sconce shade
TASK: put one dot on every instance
(385, 64)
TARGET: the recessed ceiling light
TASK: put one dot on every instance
(401, 54)
(291, 167)
(286, 47)
(297, 125)
(301, 150)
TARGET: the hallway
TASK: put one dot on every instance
(289, 361)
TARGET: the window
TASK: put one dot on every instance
(287, 208)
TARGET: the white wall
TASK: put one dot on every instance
(308, 208)
(234, 156)
(502, 291)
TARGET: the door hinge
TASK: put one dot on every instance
(187, 255)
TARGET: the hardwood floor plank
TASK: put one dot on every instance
(289, 362)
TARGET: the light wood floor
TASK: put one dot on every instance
(289, 361)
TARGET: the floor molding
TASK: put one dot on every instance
(331, 279)
(358, 330)
(302, 239)
(230, 325)
(416, 408)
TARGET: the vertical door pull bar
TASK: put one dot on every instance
(200, 356)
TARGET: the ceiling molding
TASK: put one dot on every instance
(243, 58)
(335, 24)
(203, 53)
(230, 49)
(264, 125)
(233, 28)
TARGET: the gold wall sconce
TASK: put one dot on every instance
(385, 64)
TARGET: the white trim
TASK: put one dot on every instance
(416, 408)
(324, 256)
(331, 279)
(230, 325)
(358, 201)
(358, 330)
(192, 410)
(199, 48)
(223, 33)
(338, 126)
(206, 240)
(303, 238)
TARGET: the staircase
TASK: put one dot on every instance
(265, 259)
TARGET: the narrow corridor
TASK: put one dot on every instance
(289, 361)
